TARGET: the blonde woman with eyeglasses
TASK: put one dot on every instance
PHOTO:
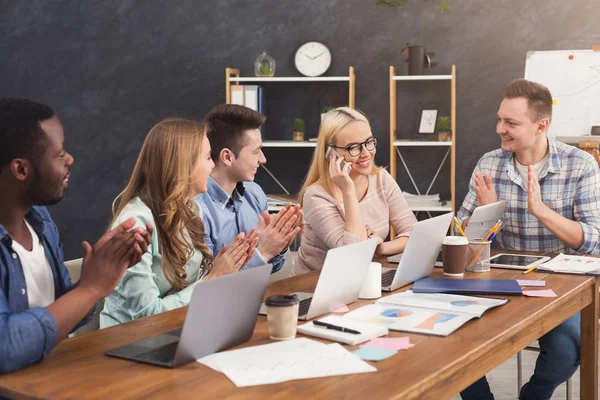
(173, 167)
(346, 198)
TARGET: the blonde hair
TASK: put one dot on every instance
(333, 122)
(162, 178)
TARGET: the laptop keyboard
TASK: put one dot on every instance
(163, 354)
(304, 305)
(387, 277)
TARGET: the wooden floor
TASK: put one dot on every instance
(503, 380)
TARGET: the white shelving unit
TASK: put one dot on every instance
(292, 79)
(232, 76)
(288, 143)
(396, 144)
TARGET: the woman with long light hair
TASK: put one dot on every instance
(346, 198)
(173, 166)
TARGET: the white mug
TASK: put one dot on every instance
(371, 288)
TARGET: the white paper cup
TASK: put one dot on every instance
(282, 316)
(371, 288)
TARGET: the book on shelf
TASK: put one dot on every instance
(423, 200)
(428, 313)
(251, 96)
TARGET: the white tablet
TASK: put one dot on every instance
(483, 219)
(516, 261)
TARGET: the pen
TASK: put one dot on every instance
(530, 270)
(335, 327)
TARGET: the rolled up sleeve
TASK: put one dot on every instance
(586, 209)
(25, 337)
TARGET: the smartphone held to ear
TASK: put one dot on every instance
(332, 153)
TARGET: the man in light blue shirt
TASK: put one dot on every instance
(233, 202)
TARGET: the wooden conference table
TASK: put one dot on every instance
(436, 368)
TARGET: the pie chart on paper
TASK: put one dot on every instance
(397, 313)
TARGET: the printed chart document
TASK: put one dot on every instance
(284, 361)
(568, 264)
(429, 313)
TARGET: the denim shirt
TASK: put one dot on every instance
(28, 334)
(225, 217)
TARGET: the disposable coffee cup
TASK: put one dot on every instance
(371, 287)
(454, 255)
(282, 315)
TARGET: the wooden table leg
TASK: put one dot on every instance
(589, 348)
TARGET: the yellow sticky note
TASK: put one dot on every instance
(554, 102)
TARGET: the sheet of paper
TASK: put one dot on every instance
(525, 282)
(398, 343)
(540, 293)
(341, 309)
(374, 353)
(283, 361)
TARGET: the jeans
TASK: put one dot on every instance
(557, 362)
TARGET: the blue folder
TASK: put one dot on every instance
(467, 286)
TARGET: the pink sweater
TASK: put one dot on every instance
(382, 205)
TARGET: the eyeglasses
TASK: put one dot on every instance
(355, 149)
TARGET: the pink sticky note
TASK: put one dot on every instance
(540, 293)
(400, 343)
(526, 282)
(342, 309)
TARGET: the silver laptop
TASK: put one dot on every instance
(424, 244)
(343, 273)
(215, 320)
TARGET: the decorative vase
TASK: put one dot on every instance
(416, 59)
(298, 136)
(444, 136)
(264, 66)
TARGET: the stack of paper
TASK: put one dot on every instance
(284, 361)
(367, 330)
(276, 203)
(424, 200)
(572, 265)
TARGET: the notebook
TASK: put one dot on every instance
(367, 330)
(431, 314)
(467, 286)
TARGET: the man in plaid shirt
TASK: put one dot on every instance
(553, 193)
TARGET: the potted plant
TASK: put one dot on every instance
(415, 54)
(298, 134)
(444, 129)
(325, 110)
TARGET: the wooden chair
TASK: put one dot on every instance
(591, 147)
(74, 267)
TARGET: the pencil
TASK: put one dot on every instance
(530, 270)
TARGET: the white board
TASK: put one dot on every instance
(573, 77)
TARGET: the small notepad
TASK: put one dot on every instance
(367, 330)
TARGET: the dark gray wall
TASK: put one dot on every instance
(113, 68)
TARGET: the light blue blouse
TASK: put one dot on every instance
(144, 290)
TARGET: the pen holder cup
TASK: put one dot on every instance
(282, 316)
(478, 256)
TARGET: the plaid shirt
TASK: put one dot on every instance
(569, 184)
